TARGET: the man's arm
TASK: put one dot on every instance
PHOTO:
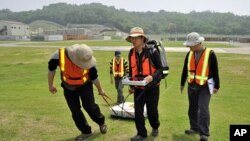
(125, 66)
(184, 73)
(214, 71)
(52, 65)
(129, 61)
(111, 71)
(130, 88)
(93, 75)
(51, 75)
(97, 83)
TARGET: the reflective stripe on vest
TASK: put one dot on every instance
(70, 73)
(145, 65)
(118, 69)
(200, 72)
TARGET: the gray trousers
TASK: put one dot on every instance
(198, 112)
(119, 89)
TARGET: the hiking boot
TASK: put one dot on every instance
(155, 132)
(191, 131)
(82, 137)
(137, 138)
(103, 128)
(204, 138)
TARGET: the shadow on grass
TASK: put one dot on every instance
(71, 139)
(183, 137)
(120, 118)
(94, 136)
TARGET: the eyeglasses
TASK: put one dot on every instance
(135, 38)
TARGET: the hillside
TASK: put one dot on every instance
(46, 25)
(161, 22)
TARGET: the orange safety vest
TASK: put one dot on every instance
(71, 73)
(118, 69)
(198, 72)
(145, 65)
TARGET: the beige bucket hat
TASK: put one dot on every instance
(135, 32)
(193, 39)
(81, 55)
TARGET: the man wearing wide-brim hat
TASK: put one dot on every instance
(144, 64)
(200, 70)
(136, 32)
(78, 74)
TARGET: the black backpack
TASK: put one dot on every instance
(160, 48)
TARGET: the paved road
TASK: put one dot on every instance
(243, 48)
(238, 50)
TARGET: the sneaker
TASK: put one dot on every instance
(103, 128)
(82, 137)
(204, 138)
(137, 138)
(191, 131)
(155, 132)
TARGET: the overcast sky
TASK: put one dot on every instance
(239, 7)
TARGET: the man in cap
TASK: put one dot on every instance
(118, 69)
(200, 70)
(144, 64)
(78, 73)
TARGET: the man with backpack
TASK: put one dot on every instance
(144, 64)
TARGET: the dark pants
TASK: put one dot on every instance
(119, 87)
(198, 112)
(85, 94)
(150, 98)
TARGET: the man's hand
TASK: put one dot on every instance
(52, 89)
(111, 79)
(148, 79)
(101, 92)
(216, 90)
(181, 88)
(130, 90)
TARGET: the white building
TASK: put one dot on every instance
(15, 30)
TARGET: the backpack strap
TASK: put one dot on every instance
(150, 52)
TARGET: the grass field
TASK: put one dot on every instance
(29, 112)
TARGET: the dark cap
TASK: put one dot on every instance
(117, 53)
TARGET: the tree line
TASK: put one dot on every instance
(160, 22)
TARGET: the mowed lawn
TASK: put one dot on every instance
(29, 112)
